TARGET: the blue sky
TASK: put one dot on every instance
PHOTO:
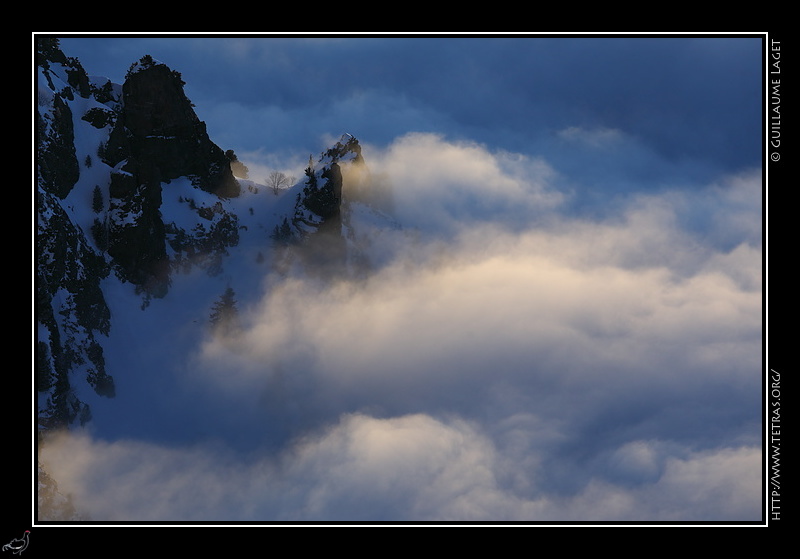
(691, 105)
(575, 332)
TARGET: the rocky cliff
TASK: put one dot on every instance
(132, 196)
(319, 204)
(99, 209)
(319, 214)
(71, 311)
(131, 189)
(156, 139)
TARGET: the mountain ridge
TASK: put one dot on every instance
(131, 189)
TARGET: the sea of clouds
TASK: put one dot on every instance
(508, 357)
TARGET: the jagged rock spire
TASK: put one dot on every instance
(321, 199)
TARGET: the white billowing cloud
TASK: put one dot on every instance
(444, 185)
(627, 297)
(575, 364)
(546, 368)
(408, 468)
(742, 216)
(361, 468)
(636, 301)
(722, 484)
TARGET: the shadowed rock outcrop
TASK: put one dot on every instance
(157, 138)
(318, 209)
(71, 311)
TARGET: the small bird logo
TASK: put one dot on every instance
(18, 545)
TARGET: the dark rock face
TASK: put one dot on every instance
(100, 118)
(136, 233)
(55, 140)
(56, 159)
(148, 136)
(322, 194)
(153, 136)
(157, 138)
(159, 129)
(318, 210)
(71, 310)
(73, 320)
(58, 165)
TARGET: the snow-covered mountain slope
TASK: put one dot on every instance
(135, 246)
(134, 240)
(72, 316)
